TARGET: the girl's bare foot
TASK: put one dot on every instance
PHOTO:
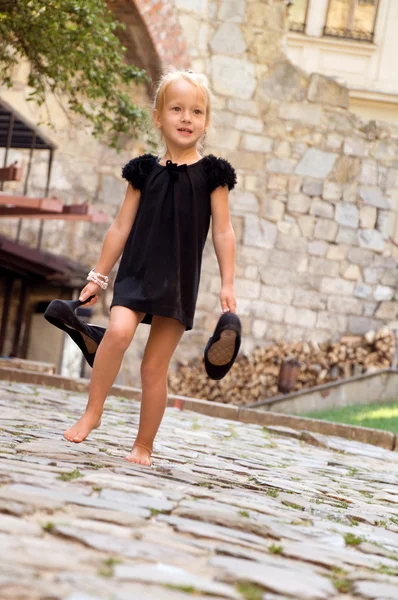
(80, 430)
(140, 455)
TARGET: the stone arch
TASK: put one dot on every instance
(153, 35)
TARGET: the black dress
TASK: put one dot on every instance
(159, 271)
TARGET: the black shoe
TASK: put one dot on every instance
(222, 348)
(61, 313)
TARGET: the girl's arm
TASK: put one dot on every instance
(115, 240)
(224, 245)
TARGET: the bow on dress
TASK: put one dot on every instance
(173, 169)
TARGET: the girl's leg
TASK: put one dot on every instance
(163, 340)
(118, 336)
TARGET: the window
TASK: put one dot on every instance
(353, 19)
(298, 15)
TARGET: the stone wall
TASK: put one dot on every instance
(317, 197)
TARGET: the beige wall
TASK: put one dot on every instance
(368, 69)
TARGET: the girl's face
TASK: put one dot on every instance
(183, 117)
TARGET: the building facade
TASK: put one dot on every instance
(315, 208)
(353, 41)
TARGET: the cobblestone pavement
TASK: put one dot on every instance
(228, 510)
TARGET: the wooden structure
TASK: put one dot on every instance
(29, 277)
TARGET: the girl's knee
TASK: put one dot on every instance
(152, 371)
(119, 336)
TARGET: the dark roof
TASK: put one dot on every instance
(23, 131)
(24, 261)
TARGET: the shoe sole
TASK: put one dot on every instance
(222, 351)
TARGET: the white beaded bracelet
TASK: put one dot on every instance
(101, 280)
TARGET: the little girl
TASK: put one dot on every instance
(160, 232)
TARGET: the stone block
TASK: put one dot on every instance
(251, 272)
(369, 308)
(277, 182)
(298, 203)
(257, 143)
(331, 321)
(316, 163)
(246, 288)
(228, 138)
(244, 107)
(276, 294)
(385, 150)
(273, 210)
(361, 325)
(293, 243)
(385, 223)
(337, 252)
(350, 306)
(259, 329)
(286, 260)
(249, 124)
(347, 215)
(283, 149)
(367, 216)
(312, 187)
(281, 165)
(319, 208)
(327, 91)
(322, 266)
(232, 10)
(369, 172)
(355, 147)
(259, 232)
(309, 300)
(337, 285)
(360, 256)
(303, 113)
(302, 317)
(233, 77)
(352, 272)
(326, 229)
(317, 248)
(307, 225)
(383, 292)
(269, 310)
(195, 6)
(347, 235)
(371, 239)
(295, 184)
(392, 178)
(244, 202)
(334, 142)
(372, 274)
(284, 82)
(228, 39)
(362, 290)
(332, 191)
(374, 197)
(350, 192)
(387, 311)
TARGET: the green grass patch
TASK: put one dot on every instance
(244, 513)
(353, 540)
(376, 416)
(75, 474)
(275, 548)
(250, 591)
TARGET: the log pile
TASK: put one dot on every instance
(254, 377)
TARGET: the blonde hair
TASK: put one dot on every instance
(197, 79)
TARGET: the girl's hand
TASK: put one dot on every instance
(91, 289)
(227, 298)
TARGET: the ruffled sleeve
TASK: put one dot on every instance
(137, 170)
(219, 172)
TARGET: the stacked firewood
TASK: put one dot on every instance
(254, 377)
